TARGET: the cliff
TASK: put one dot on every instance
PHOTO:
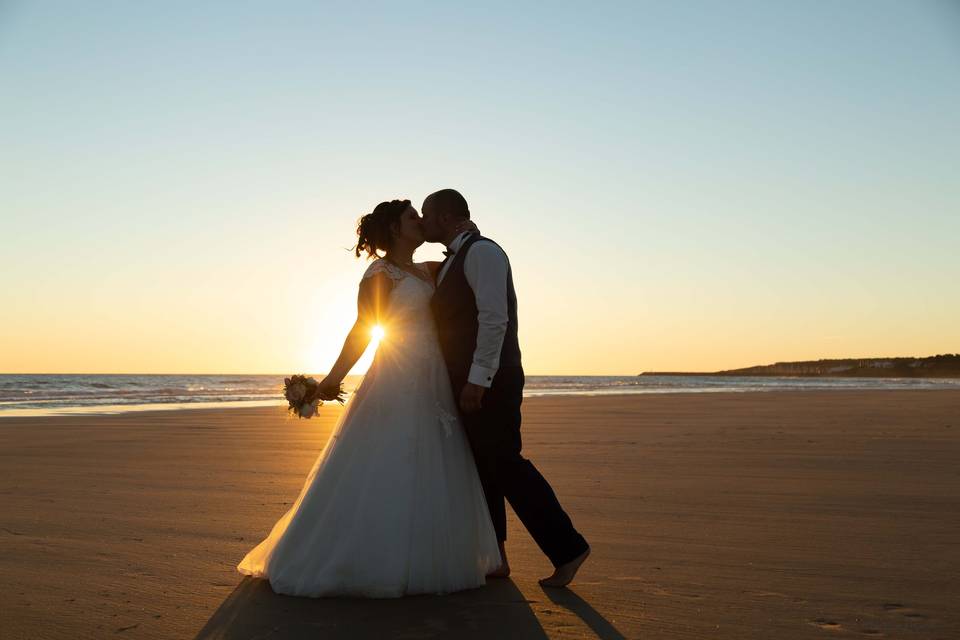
(940, 366)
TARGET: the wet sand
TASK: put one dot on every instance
(757, 515)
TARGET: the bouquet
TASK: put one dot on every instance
(304, 395)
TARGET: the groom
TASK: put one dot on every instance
(475, 308)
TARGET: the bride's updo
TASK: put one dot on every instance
(374, 230)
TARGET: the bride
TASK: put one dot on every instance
(393, 504)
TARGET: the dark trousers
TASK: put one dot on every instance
(494, 435)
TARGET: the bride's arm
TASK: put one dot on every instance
(371, 308)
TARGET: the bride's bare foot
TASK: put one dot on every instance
(503, 571)
(565, 572)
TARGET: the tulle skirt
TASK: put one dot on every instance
(393, 505)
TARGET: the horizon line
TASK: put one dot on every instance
(653, 371)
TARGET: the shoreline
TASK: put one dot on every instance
(68, 395)
(163, 408)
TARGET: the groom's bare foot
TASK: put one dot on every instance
(503, 571)
(564, 573)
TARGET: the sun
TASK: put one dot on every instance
(377, 333)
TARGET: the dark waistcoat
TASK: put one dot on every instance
(455, 311)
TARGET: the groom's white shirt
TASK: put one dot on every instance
(486, 270)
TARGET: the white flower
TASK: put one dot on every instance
(308, 409)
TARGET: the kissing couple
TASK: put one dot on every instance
(407, 497)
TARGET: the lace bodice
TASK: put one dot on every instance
(392, 271)
(408, 322)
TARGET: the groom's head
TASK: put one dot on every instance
(442, 212)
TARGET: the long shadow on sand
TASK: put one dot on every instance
(579, 607)
(253, 610)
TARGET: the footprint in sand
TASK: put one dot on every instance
(906, 612)
(826, 624)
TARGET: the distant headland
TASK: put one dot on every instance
(941, 366)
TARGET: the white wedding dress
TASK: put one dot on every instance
(393, 505)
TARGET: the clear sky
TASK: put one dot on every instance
(679, 185)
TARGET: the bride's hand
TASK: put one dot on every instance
(328, 389)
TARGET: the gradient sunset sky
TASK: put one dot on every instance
(679, 185)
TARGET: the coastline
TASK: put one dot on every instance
(560, 387)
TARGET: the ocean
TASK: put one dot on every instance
(50, 394)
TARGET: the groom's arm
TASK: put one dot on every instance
(485, 267)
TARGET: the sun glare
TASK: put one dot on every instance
(378, 333)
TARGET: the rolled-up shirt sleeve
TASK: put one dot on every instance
(485, 268)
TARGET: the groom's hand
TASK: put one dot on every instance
(471, 397)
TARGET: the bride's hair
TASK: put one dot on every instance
(374, 229)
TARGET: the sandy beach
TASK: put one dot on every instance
(755, 515)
